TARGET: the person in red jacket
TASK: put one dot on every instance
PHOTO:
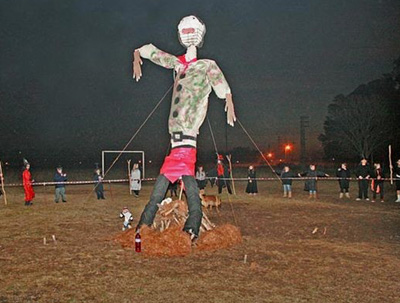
(27, 181)
(223, 175)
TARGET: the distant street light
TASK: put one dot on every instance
(288, 148)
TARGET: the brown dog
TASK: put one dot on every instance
(208, 201)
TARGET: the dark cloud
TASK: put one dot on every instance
(283, 59)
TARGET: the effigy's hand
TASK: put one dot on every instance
(230, 110)
(137, 62)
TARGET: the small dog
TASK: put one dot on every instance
(210, 201)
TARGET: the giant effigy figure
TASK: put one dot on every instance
(194, 80)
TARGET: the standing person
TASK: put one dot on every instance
(377, 175)
(201, 178)
(311, 183)
(99, 188)
(287, 177)
(27, 181)
(363, 173)
(223, 175)
(136, 180)
(397, 176)
(344, 176)
(60, 177)
(251, 188)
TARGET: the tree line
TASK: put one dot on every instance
(366, 121)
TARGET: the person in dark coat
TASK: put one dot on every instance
(363, 173)
(212, 176)
(397, 176)
(311, 183)
(99, 189)
(377, 175)
(344, 180)
(60, 177)
(286, 177)
(251, 188)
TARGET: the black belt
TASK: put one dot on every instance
(179, 137)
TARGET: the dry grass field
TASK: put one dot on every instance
(353, 256)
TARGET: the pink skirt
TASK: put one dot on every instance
(180, 162)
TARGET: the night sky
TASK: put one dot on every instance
(66, 80)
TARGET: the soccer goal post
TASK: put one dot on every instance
(105, 152)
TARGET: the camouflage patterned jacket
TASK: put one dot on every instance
(193, 84)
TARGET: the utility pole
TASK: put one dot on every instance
(304, 123)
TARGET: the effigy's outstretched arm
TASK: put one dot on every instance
(222, 90)
(137, 62)
(152, 53)
(230, 110)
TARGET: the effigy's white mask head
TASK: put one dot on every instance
(191, 31)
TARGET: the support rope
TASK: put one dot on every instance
(225, 179)
(133, 137)
(138, 130)
(212, 136)
(256, 146)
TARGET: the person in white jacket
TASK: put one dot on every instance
(135, 180)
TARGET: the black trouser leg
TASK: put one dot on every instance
(158, 194)
(220, 185)
(228, 186)
(365, 188)
(193, 222)
(381, 189)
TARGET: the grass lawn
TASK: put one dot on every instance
(352, 256)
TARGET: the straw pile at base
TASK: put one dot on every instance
(175, 242)
(220, 237)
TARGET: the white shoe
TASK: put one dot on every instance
(397, 201)
(367, 199)
(193, 236)
(358, 199)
